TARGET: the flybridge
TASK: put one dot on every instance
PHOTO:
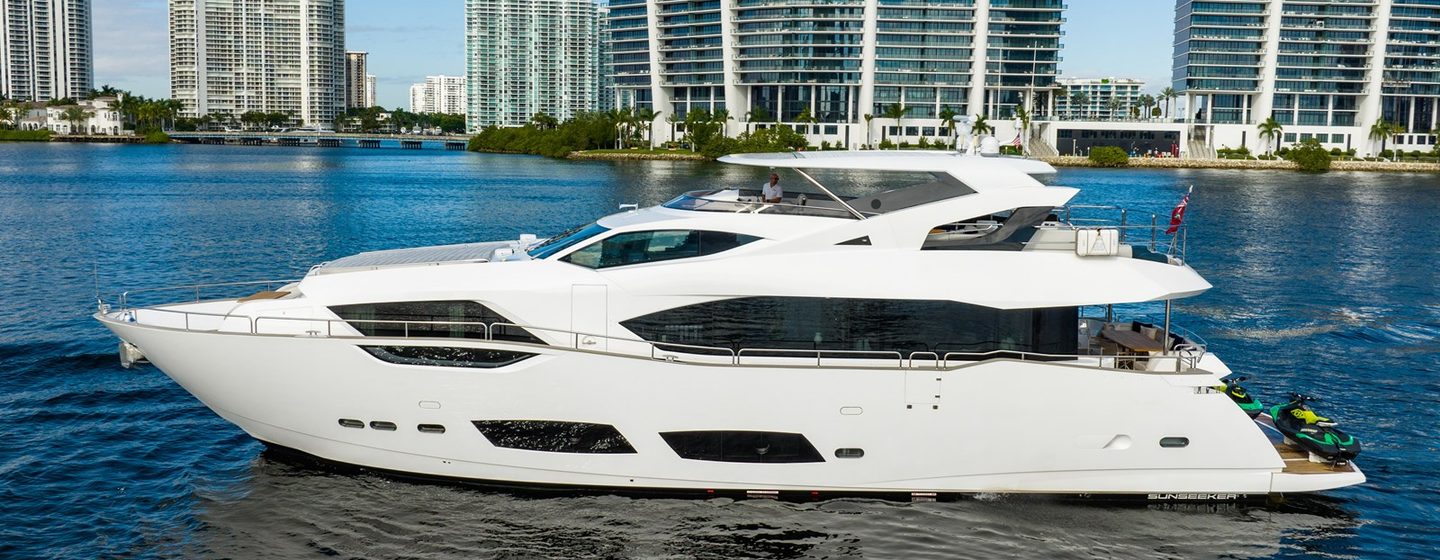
(953, 175)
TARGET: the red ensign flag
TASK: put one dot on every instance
(1177, 216)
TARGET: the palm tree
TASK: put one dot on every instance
(645, 118)
(868, 118)
(670, 118)
(1078, 101)
(1167, 95)
(1270, 132)
(723, 118)
(543, 121)
(76, 116)
(896, 112)
(6, 113)
(754, 115)
(1024, 116)
(807, 118)
(1114, 106)
(947, 121)
(981, 128)
(1382, 130)
(1147, 102)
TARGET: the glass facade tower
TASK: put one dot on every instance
(1310, 63)
(822, 66)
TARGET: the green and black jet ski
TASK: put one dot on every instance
(1312, 432)
(1240, 395)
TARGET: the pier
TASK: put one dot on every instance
(453, 142)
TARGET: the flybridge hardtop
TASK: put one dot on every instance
(823, 344)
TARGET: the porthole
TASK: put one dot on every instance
(1174, 442)
(849, 453)
(349, 423)
(431, 428)
(382, 425)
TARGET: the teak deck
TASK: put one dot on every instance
(1298, 462)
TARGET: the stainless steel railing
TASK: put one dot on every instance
(1119, 220)
(1186, 356)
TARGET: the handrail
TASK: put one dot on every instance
(125, 295)
(1187, 355)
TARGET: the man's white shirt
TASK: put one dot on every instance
(771, 192)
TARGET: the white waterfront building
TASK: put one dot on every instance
(1327, 70)
(524, 57)
(438, 94)
(229, 57)
(45, 49)
(1098, 98)
(836, 62)
(370, 96)
(100, 117)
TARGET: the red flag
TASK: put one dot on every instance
(1177, 216)
(1016, 142)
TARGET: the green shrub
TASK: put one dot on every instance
(1387, 154)
(1335, 152)
(1242, 151)
(886, 144)
(156, 137)
(1310, 157)
(904, 144)
(924, 143)
(1109, 156)
(824, 145)
(42, 135)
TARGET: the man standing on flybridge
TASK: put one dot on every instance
(771, 191)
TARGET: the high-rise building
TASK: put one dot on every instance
(605, 86)
(1099, 98)
(438, 94)
(524, 57)
(824, 68)
(229, 57)
(355, 73)
(1326, 70)
(45, 50)
(370, 91)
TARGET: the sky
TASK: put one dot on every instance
(410, 39)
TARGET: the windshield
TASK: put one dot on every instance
(565, 239)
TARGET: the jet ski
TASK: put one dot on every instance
(1311, 432)
(1240, 395)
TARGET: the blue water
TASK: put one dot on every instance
(1327, 284)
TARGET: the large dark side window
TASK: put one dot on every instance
(862, 324)
(462, 319)
(743, 447)
(649, 246)
(442, 356)
(558, 437)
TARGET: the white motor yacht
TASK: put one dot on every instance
(928, 341)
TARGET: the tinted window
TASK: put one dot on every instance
(650, 246)
(558, 437)
(862, 325)
(416, 318)
(743, 447)
(565, 239)
(446, 356)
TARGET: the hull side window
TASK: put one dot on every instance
(867, 325)
(418, 319)
(441, 356)
(554, 437)
(743, 447)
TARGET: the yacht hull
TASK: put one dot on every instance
(973, 429)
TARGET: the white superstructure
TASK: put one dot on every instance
(45, 49)
(229, 57)
(930, 339)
